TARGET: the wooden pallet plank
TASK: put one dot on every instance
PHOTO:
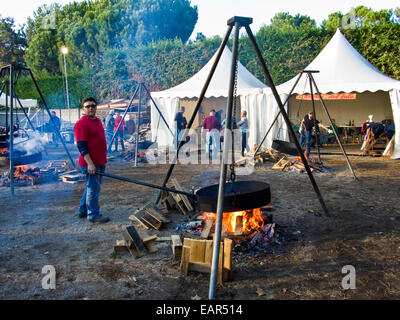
(184, 198)
(184, 266)
(208, 252)
(137, 241)
(156, 214)
(207, 229)
(228, 243)
(199, 267)
(197, 251)
(176, 245)
(142, 223)
(220, 264)
(154, 223)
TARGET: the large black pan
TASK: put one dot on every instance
(239, 196)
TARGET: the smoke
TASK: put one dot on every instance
(29, 145)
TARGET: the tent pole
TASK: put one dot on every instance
(286, 117)
(334, 131)
(277, 116)
(138, 123)
(201, 97)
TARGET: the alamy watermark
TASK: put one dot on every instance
(49, 280)
(349, 281)
(210, 146)
(49, 20)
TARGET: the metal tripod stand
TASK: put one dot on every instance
(311, 83)
(236, 22)
(139, 89)
(13, 72)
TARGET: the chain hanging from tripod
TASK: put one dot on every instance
(233, 126)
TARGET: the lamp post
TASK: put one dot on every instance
(64, 51)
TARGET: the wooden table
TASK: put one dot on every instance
(347, 136)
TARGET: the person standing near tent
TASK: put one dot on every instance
(213, 125)
(109, 123)
(56, 121)
(119, 135)
(307, 129)
(243, 125)
(181, 124)
(92, 146)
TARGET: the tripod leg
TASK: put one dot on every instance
(277, 116)
(201, 97)
(334, 131)
(286, 118)
(315, 119)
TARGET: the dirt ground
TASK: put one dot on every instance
(39, 226)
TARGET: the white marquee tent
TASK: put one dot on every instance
(342, 69)
(25, 102)
(249, 88)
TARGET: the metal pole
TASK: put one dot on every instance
(66, 85)
(334, 131)
(123, 117)
(315, 117)
(286, 117)
(161, 115)
(11, 87)
(223, 169)
(196, 109)
(277, 116)
(109, 175)
(138, 123)
(26, 115)
(51, 118)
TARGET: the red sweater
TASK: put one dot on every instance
(92, 131)
(117, 121)
(212, 122)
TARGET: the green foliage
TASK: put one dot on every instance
(12, 43)
(114, 44)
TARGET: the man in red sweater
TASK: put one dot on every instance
(92, 146)
(212, 125)
(120, 132)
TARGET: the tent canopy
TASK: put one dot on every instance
(342, 69)
(247, 83)
(248, 86)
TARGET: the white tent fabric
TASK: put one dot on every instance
(168, 100)
(342, 69)
(25, 102)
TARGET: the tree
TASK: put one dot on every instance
(12, 43)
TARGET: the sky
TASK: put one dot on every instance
(213, 14)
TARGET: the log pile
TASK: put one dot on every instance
(138, 244)
(176, 201)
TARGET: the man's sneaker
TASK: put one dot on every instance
(100, 219)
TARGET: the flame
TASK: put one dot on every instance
(20, 173)
(3, 151)
(251, 220)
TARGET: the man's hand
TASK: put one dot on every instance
(330, 131)
(91, 168)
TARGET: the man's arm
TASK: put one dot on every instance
(91, 167)
(84, 151)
